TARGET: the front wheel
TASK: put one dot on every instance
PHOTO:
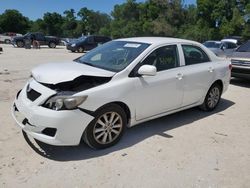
(107, 127)
(212, 98)
(20, 44)
(7, 41)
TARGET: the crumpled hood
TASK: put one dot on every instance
(54, 73)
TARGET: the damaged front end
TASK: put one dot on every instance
(64, 99)
(80, 83)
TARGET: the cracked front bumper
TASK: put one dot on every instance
(34, 119)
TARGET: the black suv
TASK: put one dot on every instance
(87, 43)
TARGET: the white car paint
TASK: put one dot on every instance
(69, 71)
(230, 40)
(147, 97)
(4, 38)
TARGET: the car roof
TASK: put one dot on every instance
(215, 41)
(230, 40)
(157, 40)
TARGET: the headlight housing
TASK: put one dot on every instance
(73, 45)
(64, 102)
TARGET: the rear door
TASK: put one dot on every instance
(41, 38)
(198, 74)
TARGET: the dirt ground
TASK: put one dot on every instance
(187, 149)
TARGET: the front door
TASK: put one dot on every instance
(162, 92)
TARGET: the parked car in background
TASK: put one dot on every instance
(65, 41)
(86, 43)
(51, 41)
(240, 60)
(7, 37)
(234, 39)
(221, 48)
(120, 83)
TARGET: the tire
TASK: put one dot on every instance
(52, 45)
(20, 44)
(106, 128)
(80, 50)
(212, 98)
(7, 41)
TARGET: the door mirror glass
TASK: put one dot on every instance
(147, 70)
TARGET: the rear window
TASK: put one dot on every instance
(244, 47)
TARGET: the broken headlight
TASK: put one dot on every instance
(64, 102)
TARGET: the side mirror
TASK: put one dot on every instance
(147, 70)
(223, 47)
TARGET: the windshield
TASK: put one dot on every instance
(81, 38)
(113, 56)
(212, 44)
(27, 34)
(244, 47)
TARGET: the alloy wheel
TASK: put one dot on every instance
(213, 97)
(107, 128)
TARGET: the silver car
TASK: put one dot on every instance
(221, 48)
(241, 61)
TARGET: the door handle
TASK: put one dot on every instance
(179, 76)
(210, 69)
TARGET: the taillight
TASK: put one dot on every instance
(230, 67)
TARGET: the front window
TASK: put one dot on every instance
(113, 56)
(163, 58)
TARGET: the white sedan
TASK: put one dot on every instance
(121, 83)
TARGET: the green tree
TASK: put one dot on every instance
(92, 21)
(70, 23)
(14, 21)
(53, 23)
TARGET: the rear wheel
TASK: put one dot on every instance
(107, 127)
(212, 98)
(52, 44)
(7, 41)
(20, 44)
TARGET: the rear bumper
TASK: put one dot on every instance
(68, 125)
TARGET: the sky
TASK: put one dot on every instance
(35, 9)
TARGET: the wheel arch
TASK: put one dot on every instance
(220, 83)
(122, 105)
